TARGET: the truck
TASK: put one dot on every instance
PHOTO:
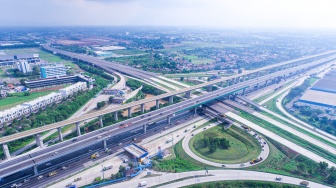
(186, 130)
(177, 122)
(53, 173)
(142, 184)
(304, 183)
(257, 160)
(125, 125)
(95, 155)
(107, 167)
(222, 115)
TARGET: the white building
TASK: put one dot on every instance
(23, 66)
(41, 102)
(52, 71)
(68, 91)
(14, 113)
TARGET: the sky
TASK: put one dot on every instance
(199, 13)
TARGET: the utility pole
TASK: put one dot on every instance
(103, 171)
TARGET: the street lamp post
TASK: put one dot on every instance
(103, 171)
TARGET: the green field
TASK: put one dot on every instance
(129, 52)
(2, 74)
(195, 60)
(188, 45)
(19, 98)
(243, 147)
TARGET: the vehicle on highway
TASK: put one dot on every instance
(142, 184)
(120, 144)
(134, 139)
(107, 167)
(95, 155)
(177, 135)
(40, 177)
(78, 179)
(14, 185)
(278, 178)
(304, 183)
(149, 114)
(142, 116)
(204, 128)
(53, 173)
(99, 137)
(48, 164)
(74, 140)
(55, 153)
(177, 122)
(26, 180)
(192, 134)
(223, 165)
(64, 167)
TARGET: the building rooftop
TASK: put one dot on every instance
(320, 98)
(136, 150)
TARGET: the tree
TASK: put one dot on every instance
(5, 83)
(131, 165)
(301, 167)
(22, 82)
(121, 168)
(111, 99)
(36, 70)
(323, 165)
(332, 178)
(240, 71)
(181, 79)
(26, 93)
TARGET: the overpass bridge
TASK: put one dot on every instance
(253, 77)
(41, 157)
(103, 64)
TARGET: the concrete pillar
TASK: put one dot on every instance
(171, 99)
(258, 73)
(142, 106)
(168, 119)
(105, 143)
(257, 85)
(129, 112)
(243, 79)
(227, 83)
(6, 151)
(145, 128)
(266, 83)
(60, 135)
(157, 104)
(244, 91)
(232, 81)
(35, 170)
(101, 121)
(195, 110)
(115, 116)
(78, 129)
(188, 94)
(222, 84)
(39, 141)
(209, 88)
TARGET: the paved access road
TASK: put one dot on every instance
(281, 140)
(216, 175)
(185, 144)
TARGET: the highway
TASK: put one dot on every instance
(105, 65)
(154, 98)
(63, 148)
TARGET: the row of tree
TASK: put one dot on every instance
(95, 71)
(212, 143)
(135, 84)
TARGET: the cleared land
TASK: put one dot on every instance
(243, 147)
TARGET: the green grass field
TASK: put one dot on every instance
(19, 98)
(197, 61)
(243, 147)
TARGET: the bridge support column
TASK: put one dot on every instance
(227, 83)
(60, 135)
(105, 143)
(257, 85)
(101, 121)
(168, 119)
(115, 116)
(35, 170)
(243, 79)
(129, 112)
(39, 141)
(244, 90)
(222, 84)
(78, 129)
(145, 128)
(171, 99)
(195, 110)
(232, 81)
(188, 94)
(209, 88)
(258, 74)
(142, 106)
(157, 104)
(6, 151)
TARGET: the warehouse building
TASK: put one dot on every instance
(69, 91)
(10, 60)
(322, 95)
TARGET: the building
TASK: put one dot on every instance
(52, 71)
(118, 100)
(57, 81)
(322, 95)
(23, 66)
(69, 91)
(42, 102)
(10, 60)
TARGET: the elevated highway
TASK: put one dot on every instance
(107, 66)
(238, 82)
(139, 122)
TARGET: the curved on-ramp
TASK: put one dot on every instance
(185, 144)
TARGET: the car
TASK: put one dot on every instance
(99, 137)
(64, 167)
(262, 149)
(14, 185)
(264, 142)
(223, 165)
(40, 177)
(242, 165)
(160, 114)
(74, 140)
(142, 116)
(55, 153)
(149, 119)
(149, 114)
(26, 180)
(177, 135)
(78, 179)
(204, 128)
(278, 178)
(90, 151)
(120, 144)
(192, 134)
(48, 164)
